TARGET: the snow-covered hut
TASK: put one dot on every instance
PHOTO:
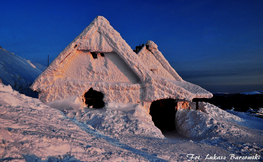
(98, 65)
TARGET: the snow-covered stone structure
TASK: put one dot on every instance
(99, 58)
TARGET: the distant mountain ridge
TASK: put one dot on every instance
(252, 93)
(243, 93)
(239, 101)
(18, 72)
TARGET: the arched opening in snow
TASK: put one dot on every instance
(163, 114)
(94, 99)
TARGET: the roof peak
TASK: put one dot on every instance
(100, 19)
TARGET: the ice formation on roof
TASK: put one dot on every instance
(100, 58)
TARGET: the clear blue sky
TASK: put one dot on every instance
(217, 44)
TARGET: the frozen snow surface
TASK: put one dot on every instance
(32, 131)
(18, 72)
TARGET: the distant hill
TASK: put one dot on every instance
(239, 101)
(18, 72)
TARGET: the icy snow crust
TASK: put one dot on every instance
(121, 75)
(33, 131)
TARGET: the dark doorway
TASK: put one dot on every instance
(94, 98)
(163, 114)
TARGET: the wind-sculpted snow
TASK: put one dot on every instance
(32, 131)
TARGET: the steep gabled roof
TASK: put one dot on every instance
(99, 36)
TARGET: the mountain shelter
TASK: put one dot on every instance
(99, 67)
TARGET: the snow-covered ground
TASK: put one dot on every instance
(33, 131)
(18, 72)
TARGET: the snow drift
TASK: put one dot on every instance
(114, 119)
(121, 119)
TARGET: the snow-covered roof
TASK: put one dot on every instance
(100, 36)
(166, 82)
(155, 61)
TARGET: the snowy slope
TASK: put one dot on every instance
(17, 72)
(32, 131)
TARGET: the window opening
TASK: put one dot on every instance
(94, 99)
(94, 55)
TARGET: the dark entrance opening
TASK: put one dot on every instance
(94, 98)
(163, 114)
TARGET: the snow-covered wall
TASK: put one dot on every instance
(113, 92)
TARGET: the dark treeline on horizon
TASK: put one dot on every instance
(240, 102)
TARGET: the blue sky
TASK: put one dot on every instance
(217, 44)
